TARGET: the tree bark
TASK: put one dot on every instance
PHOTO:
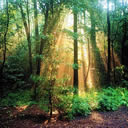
(93, 39)
(42, 40)
(124, 36)
(27, 30)
(93, 31)
(36, 25)
(4, 50)
(113, 59)
(75, 55)
(5, 40)
(37, 42)
(109, 44)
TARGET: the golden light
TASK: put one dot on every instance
(64, 47)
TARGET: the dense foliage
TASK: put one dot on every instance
(69, 106)
(30, 56)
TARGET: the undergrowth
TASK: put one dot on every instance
(70, 106)
(19, 98)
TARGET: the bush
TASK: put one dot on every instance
(68, 105)
(80, 106)
(64, 106)
(110, 99)
(124, 96)
(14, 73)
(62, 99)
(18, 98)
(93, 97)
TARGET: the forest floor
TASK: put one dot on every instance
(33, 117)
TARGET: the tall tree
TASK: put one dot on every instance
(124, 38)
(45, 7)
(27, 30)
(36, 41)
(93, 31)
(51, 11)
(109, 43)
(5, 39)
(75, 53)
(36, 25)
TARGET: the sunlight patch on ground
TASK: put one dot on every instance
(22, 108)
(96, 117)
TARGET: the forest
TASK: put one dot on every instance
(63, 64)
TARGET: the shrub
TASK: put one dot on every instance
(93, 97)
(80, 106)
(110, 99)
(14, 73)
(18, 98)
(62, 99)
(124, 96)
(64, 106)
(68, 105)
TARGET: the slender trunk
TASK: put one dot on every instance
(42, 40)
(29, 39)
(37, 42)
(93, 38)
(122, 49)
(84, 17)
(93, 31)
(109, 44)
(83, 63)
(50, 103)
(40, 52)
(5, 50)
(51, 3)
(113, 59)
(36, 26)
(124, 36)
(86, 75)
(88, 61)
(27, 30)
(5, 39)
(104, 47)
(75, 55)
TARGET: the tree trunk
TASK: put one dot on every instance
(113, 59)
(109, 44)
(124, 36)
(93, 31)
(93, 39)
(42, 40)
(37, 42)
(4, 50)
(29, 39)
(27, 30)
(40, 51)
(88, 60)
(36, 26)
(75, 55)
(5, 40)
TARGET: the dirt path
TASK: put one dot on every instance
(33, 117)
